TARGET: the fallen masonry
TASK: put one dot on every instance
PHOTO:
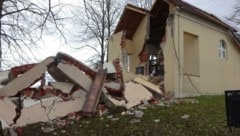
(62, 87)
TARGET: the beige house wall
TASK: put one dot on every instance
(215, 74)
(169, 62)
(137, 44)
(133, 46)
(114, 48)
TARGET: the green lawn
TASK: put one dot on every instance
(207, 117)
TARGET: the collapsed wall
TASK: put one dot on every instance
(74, 88)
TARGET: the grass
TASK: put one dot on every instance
(207, 118)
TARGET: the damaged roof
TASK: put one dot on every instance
(236, 35)
(132, 15)
(130, 20)
(198, 12)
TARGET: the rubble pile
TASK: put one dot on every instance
(61, 86)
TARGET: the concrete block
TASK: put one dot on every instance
(26, 79)
(148, 85)
(7, 110)
(63, 86)
(49, 110)
(75, 75)
(57, 74)
(135, 93)
(28, 102)
(48, 61)
(79, 93)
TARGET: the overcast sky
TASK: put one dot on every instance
(220, 8)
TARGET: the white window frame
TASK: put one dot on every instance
(222, 50)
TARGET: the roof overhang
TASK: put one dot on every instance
(236, 36)
(130, 20)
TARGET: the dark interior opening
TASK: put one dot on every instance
(157, 31)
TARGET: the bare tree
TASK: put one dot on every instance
(22, 23)
(235, 16)
(97, 23)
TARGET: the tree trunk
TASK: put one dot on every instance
(1, 8)
(103, 32)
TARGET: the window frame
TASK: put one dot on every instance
(222, 50)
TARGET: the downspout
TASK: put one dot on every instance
(179, 66)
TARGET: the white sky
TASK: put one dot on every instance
(220, 8)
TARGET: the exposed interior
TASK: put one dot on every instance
(156, 36)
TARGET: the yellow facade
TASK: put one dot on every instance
(215, 74)
(191, 55)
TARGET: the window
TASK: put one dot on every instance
(140, 70)
(191, 54)
(222, 49)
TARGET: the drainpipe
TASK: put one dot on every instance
(179, 66)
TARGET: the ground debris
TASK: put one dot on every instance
(185, 116)
(138, 113)
(60, 90)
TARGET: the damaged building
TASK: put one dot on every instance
(173, 48)
(185, 50)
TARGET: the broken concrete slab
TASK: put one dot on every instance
(26, 79)
(7, 112)
(135, 93)
(28, 102)
(49, 110)
(81, 66)
(110, 101)
(148, 85)
(79, 93)
(63, 86)
(94, 93)
(57, 74)
(18, 70)
(75, 75)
